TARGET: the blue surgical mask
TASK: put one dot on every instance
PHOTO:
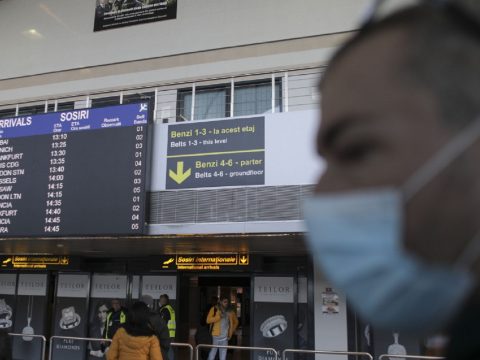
(357, 239)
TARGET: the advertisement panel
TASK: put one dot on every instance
(8, 285)
(155, 286)
(159, 285)
(70, 317)
(274, 318)
(30, 317)
(104, 289)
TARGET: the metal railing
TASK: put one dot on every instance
(43, 338)
(243, 348)
(386, 356)
(52, 338)
(290, 89)
(184, 345)
(324, 352)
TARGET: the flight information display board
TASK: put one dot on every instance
(79, 172)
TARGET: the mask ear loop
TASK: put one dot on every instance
(441, 160)
(470, 254)
(438, 163)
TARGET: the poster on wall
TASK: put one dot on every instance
(155, 286)
(30, 316)
(70, 319)
(8, 285)
(274, 319)
(330, 302)
(111, 14)
(104, 289)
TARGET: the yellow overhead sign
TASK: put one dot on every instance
(34, 262)
(205, 261)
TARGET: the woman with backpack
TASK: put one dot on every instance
(224, 323)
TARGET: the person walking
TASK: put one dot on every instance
(223, 322)
(167, 313)
(136, 340)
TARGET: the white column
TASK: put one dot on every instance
(273, 93)
(232, 96)
(285, 92)
(192, 110)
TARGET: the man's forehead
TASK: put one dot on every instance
(365, 76)
(379, 54)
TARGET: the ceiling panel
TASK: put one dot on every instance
(276, 244)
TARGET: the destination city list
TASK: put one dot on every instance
(56, 170)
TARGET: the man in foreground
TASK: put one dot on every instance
(394, 223)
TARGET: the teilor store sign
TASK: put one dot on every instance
(202, 262)
(216, 153)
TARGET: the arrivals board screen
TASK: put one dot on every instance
(78, 172)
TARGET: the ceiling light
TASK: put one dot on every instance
(32, 34)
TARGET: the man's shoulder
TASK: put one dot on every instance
(154, 315)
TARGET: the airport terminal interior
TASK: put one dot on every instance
(166, 147)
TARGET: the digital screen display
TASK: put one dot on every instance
(78, 172)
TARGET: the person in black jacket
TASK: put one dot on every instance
(159, 326)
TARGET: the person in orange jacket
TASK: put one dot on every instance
(136, 340)
(223, 323)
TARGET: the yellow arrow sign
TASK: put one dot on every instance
(180, 176)
(244, 260)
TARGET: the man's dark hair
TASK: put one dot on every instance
(443, 56)
(165, 296)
